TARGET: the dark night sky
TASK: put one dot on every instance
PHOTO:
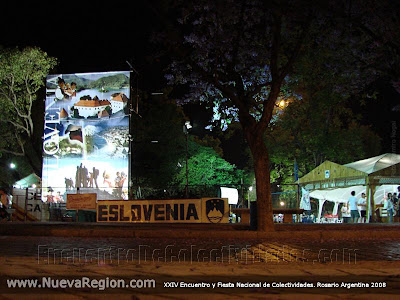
(96, 37)
(101, 37)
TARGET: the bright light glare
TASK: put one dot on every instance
(282, 103)
(282, 203)
(12, 166)
(187, 124)
(230, 193)
(250, 188)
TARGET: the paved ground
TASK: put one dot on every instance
(221, 231)
(297, 261)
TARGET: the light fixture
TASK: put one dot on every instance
(282, 203)
(187, 125)
(12, 165)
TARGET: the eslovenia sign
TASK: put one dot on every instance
(205, 210)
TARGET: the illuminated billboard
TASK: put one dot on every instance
(86, 135)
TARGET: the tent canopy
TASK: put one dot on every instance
(28, 181)
(342, 195)
(375, 164)
(374, 176)
(381, 169)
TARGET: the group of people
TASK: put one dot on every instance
(84, 178)
(355, 210)
(65, 90)
(57, 198)
(118, 182)
(391, 204)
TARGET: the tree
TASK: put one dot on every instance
(159, 141)
(317, 123)
(22, 74)
(314, 130)
(159, 149)
(238, 54)
(242, 57)
(206, 167)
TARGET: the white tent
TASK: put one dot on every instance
(375, 164)
(374, 176)
(341, 195)
(28, 181)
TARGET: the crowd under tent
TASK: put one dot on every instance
(375, 176)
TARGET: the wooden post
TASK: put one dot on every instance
(373, 188)
(367, 217)
(242, 190)
(26, 203)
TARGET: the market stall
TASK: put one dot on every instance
(333, 182)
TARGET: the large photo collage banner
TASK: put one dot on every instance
(86, 136)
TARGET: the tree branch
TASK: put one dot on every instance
(275, 47)
(13, 99)
(22, 153)
(285, 70)
(239, 34)
(15, 124)
(257, 89)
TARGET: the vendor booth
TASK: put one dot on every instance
(333, 182)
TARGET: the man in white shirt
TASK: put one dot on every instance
(352, 202)
(362, 207)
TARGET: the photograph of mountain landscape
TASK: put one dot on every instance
(86, 133)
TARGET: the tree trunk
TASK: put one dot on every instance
(33, 157)
(260, 156)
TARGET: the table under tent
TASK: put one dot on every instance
(375, 176)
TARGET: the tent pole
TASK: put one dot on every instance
(373, 188)
(321, 205)
(367, 217)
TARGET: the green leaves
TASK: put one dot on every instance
(206, 167)
(22, 75)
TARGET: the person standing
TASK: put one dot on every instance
(388, 204)
(85, 177)
(396, 206)
(305, 202)
(346, 215)
(78, 177)
(60, 93)
(118, 187)
(95, 175)
(362, 208)
(352, 202)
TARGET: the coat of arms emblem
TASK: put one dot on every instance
(215, 209)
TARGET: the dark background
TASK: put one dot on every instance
(97, 36)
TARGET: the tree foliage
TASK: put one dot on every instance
(206, 167)
(311, 131)
(242, 58)
(160, 149)
(22, 74)
(237, 55)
